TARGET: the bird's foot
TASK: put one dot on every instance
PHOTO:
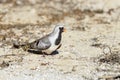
(43, 54)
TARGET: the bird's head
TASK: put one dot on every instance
(59, 28)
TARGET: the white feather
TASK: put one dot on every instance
(54, 35)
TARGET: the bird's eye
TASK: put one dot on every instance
(61, 28)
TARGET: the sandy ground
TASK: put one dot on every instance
(90, 25)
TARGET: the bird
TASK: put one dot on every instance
(46, 44)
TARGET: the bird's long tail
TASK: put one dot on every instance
(25, 47)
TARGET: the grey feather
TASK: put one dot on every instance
(41, 44)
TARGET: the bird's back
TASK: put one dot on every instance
(41, 44)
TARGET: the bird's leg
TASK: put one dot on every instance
(43, 54)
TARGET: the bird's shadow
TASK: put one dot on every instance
(41, 53)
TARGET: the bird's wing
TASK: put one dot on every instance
(42, 44)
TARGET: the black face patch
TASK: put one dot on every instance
(59, 36)
(61, 29)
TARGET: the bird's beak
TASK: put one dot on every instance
(64, 30)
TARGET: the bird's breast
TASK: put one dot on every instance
(51, 49)
(53, 46)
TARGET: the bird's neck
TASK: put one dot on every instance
(54, 33)
(56, 37)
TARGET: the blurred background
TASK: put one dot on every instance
(77, 14)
